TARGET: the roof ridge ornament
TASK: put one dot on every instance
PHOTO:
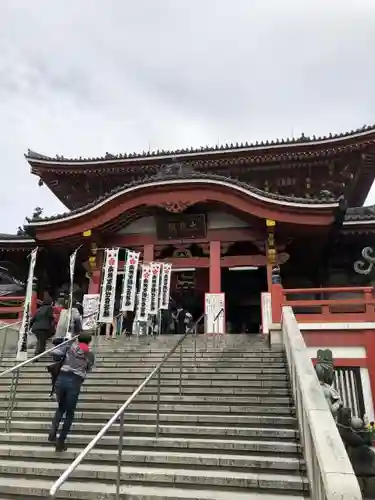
(174, 169)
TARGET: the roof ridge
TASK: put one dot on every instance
(303, 139)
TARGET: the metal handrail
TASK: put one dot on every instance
(31, 360)
(120, 414)
(4, 342)
(15, 371)
(47, 351)
(10, 324)
(218, 314)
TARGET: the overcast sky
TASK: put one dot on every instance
(82, 77)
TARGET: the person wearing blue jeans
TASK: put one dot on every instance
(77, 362)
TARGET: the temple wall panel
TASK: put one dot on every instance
(223, 220)
(215, 220)
(144, 225)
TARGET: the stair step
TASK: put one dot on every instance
(165, 398)
(115, 385)
(122, 392)
(120, 376)
(39, 488)
(211, 419)
(230, 445)
(143, 458)
(176, 370)
(166, 408)
(139, 429)
(186, 355)
(151, 475)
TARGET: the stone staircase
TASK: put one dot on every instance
(232, 435)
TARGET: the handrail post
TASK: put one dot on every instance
(195, 345)
(4, 343)
(158, 403)
(11, 401)
(119, 456)
(181, 369)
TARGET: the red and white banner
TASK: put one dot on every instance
(155, 287)
(129, 285)
(143, 309)
(165, 286)
(108, 293)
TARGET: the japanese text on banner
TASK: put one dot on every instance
(108, 292)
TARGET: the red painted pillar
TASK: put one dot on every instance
(34, 299)
(148, 253)
(94, 285)
(269, 276)
(369, 336)
(215, 268)
(277, 302)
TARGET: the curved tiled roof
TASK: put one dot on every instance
(360, 213)
(16, 239)
(278, 143)
(189, 176)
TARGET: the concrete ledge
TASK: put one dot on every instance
(11, 332)
(335, 469)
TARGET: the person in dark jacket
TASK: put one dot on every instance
(77, 362)
(79, 307)
(42, 325)
(180, 320)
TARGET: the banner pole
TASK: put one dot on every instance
(24, 329)
(72, 265)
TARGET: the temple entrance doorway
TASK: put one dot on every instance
(188, 286)
(242, 287)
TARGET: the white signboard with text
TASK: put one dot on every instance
(90, 311)
(214, 308)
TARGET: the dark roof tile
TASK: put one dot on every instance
(360, 213)
(32, 155)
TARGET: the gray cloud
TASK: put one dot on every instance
(82, 78)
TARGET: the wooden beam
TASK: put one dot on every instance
(230, 234)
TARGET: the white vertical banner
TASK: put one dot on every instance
(129, 285)
(25, 325)
(143, 308)
(108, 292)
(165, 286)
(155, 286)
(72, 266)
(214, 308)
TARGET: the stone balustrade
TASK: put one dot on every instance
(329, 469)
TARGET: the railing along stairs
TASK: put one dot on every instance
(329, 469)
(14, 371)
(119, 415)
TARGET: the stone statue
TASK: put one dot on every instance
(356, 437)
(325, 370)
